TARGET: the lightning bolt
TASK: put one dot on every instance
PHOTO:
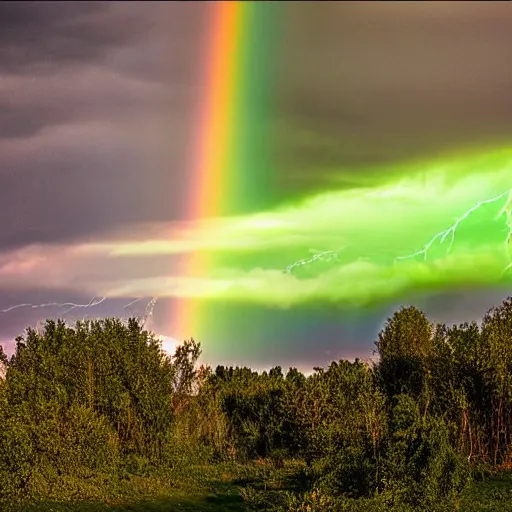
(442, 235)
(70, 305)
(133, 302)
(149, 310)
(319, 256)
(150, 306)
(450, 232)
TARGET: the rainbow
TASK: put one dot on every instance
(229, 173)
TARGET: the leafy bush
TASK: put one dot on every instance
(421, 467)
(73, 445)
(17, 458)
(351, 470)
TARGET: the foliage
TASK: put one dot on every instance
(403, 345)
(17, 458)
(89, 409)
(421, 466)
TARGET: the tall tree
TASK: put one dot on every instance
(403, 346)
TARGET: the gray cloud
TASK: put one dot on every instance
(96, 106)
(38, 37)
(98, 102)
(373, 82)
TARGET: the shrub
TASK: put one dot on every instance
(421, 467)
(73, 446)
(17, 458)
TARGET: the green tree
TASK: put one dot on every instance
(403, 346)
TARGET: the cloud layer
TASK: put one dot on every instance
(98, 127)
(375, 255)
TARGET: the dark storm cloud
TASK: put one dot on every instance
(39, 38)
(372, 82)
(21, 123)
(42, 36)
(61, 63)
(459, 307)
(83, 210)
(29, 105)
(96, 103)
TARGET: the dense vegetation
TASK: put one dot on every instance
(88, 409)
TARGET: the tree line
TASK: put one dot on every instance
(101, 400)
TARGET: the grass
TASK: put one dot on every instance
(218, 488)
(188, 504)
(493, 494)
(213, 488)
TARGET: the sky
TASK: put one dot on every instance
(387, 122)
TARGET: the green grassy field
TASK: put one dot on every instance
(198, 489)
(494, 494)
(218, 489)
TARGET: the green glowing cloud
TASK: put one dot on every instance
(382, 241)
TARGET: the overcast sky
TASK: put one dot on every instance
(97, 108)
